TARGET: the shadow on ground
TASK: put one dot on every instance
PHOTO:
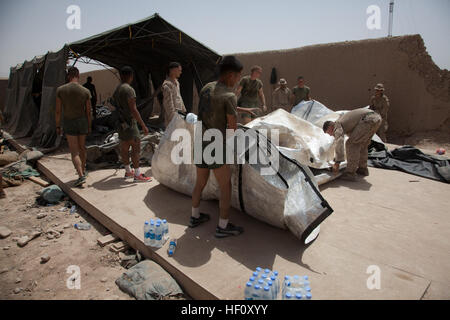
(255, 247)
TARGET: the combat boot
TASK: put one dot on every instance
(363, 171)
(348, 176)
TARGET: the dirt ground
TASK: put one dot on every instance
(23, 276)
(429, 141)
(21, 269)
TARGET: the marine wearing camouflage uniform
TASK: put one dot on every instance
(172, 102)
(281, 97)
(381, 106)
(360, 125)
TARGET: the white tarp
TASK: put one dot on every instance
(288, 199)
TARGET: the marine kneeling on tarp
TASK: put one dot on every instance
(360, 125)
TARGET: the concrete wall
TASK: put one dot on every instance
(343, 75)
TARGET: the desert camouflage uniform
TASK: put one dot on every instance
(381, 106)
(360, 125)
(172, 101)
(280, 99)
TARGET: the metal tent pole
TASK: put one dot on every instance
(391, 17)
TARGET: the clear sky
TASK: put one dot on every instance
(33, 27)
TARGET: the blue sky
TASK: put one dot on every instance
(33, 27)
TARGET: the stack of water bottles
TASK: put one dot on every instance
(265, 285)
(156, 232)
(262, 285)
(296, 288)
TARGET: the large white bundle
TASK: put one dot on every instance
(288, 199)
(299, 139)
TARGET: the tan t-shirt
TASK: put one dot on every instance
(121, 95)
(249, 93)
(216, 102)
(300, 94)
(73, 97)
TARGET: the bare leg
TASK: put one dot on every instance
(75, 153)
(200, 183)
(82, 147)
(223, 176)
(135, 152)
(124, 152)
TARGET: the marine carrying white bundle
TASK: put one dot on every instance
(287, 199)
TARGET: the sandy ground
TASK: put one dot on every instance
(23, 276)
(22, 267)
(426, 141)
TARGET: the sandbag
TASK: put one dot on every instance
(52, 194)
(8, 157)
(148, 281)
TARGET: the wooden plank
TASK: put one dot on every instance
(119, 245)
(39, 181)
(109, 238)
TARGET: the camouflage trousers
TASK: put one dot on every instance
(356, 147)
(381, 132)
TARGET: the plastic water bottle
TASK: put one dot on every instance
(252, 279)
(295, 282)
(286, 287)
(265, 276)
(304, 281)
(151, 231)
(266, 294)
(258, 269)
(158, 234)
(276, 285)
(261, 283)
(273, 295)
(146, 233)
(256, 294)
(298, 296)
(166, 230)
(248, 291)
(73, 209)
(82, 226)
(287, 296)
(172, 247)
(191, 118)
(300, 285)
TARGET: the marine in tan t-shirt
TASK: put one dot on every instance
(73, 98)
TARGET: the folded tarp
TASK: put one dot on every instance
(411, 160)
